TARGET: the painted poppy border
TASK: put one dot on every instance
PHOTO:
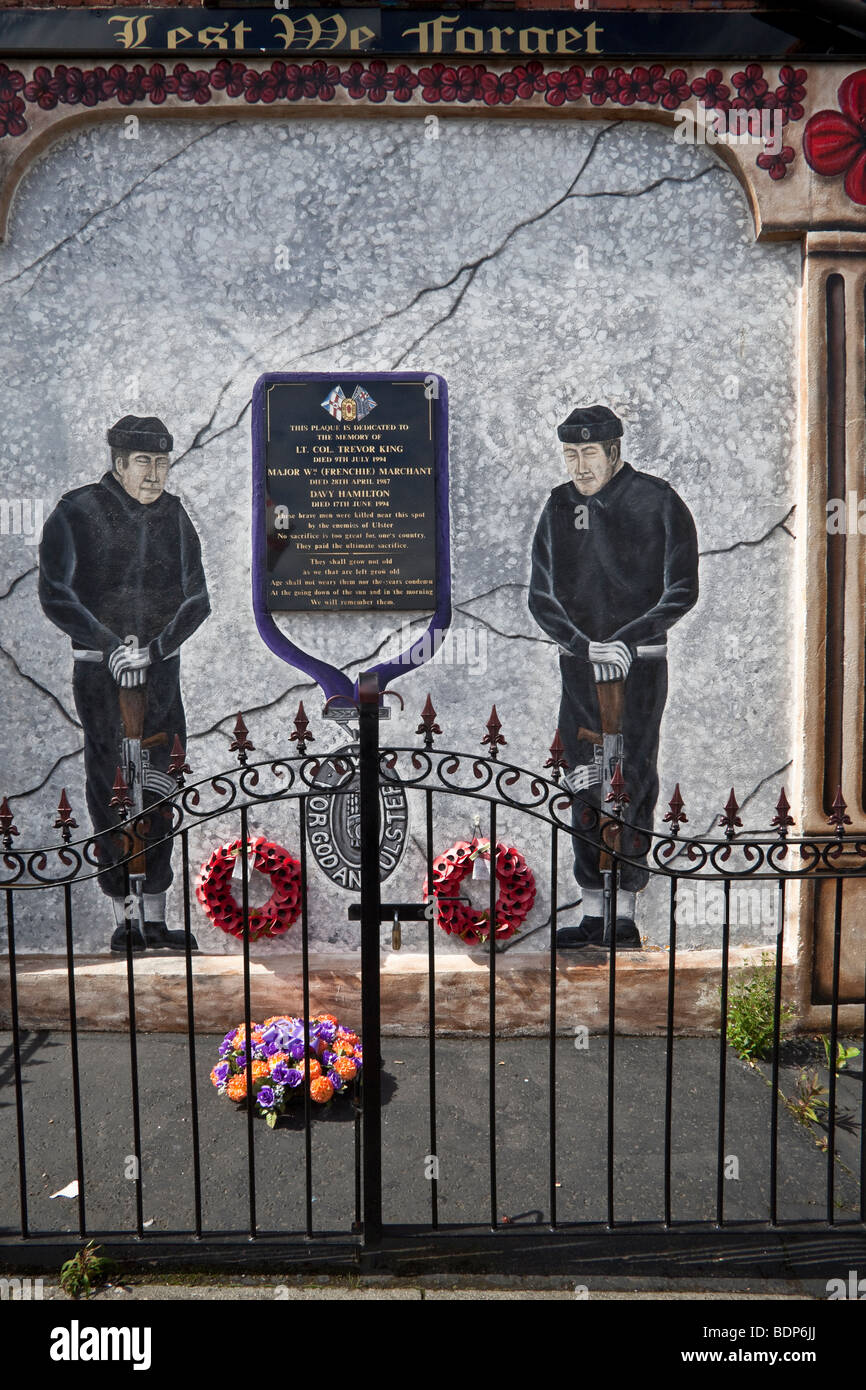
(379, 83)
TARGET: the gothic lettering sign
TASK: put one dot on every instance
(564, 34)
(351, 493)
(334, 825)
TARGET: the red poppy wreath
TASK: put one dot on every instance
(516, 884)
(214, 891)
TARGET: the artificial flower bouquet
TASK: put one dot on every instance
(284, 1050)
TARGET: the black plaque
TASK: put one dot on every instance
(351, 493)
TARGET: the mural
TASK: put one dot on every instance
(614, 566)
(120, 572)
(683, 336)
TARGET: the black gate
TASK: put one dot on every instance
(579, 1211)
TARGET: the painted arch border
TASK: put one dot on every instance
(42, 100)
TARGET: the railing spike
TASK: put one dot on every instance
(428, 726)
(782, 820)
(837, 816)
(299, 735)
(557, 758)
(178, 764)
(7, 825)
(493, 738)
(65, 822)
(731, 819)
(677, 813)
(121, 798)
(618, 794)
(241, 744)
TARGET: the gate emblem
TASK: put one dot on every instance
(334, 825)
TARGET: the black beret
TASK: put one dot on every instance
(590, 424)
(143, 433)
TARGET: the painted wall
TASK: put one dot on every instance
(536, 267)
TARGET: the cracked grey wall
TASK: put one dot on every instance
(536, 265)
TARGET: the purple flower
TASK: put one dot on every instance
(326, 1031)
(266, 1098)
(329, 1058)
(296, 1050)
(293, 1077)
(221, 1071)
(336, 1080)
(281, 1074)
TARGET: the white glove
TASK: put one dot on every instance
(128, 665)
(610, 660)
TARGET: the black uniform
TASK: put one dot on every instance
(111, 567)
(625, 572)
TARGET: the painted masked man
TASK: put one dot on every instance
(121, 574)
(614, 566)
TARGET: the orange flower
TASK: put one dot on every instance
(315, 1069)
(257, 1035)
(321, 1089)
(260, 1069)
(278, 1057)
(325, 1018)
(344, 1036)
(346, 1068)
(237, 1087)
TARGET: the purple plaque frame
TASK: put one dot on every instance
(332, 681)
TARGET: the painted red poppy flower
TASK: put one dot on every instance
(633, 86)
(229, 77)
(12, 120)
(672, 90)
(790, 93)
(776, 165)
(158, 84)
(351, 80)
(711, 91)
(499, 87)
(564, 86)
(192, 86)
(403, 83)
(374, 80)
(45, 88)
(11, 82)
(599, 86)
(834, 142)
(531, 79)
(320, 79)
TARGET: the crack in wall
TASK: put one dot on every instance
(470, 266)
(17, 580)
(42, 260)
(37, 685)
(528, 222)
(31, 791)
(759, 540)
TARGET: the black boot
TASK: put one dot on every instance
(627, 935)
(118, 939)
(159, 938)
(590, 932)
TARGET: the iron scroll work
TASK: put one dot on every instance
(735, 855)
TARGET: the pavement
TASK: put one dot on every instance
(462, 1148)
(326, 1288)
